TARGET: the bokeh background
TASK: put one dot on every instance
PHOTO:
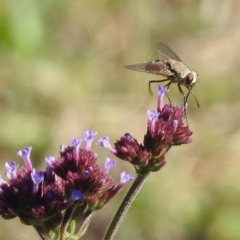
(61, 72)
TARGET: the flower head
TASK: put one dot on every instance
(72, 186)
(165, 128)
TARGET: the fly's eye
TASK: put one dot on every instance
(189, 79)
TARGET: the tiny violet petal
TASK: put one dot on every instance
(109, 164)
(76, 142)
(11, 169)
(161, 90)
(76, 195)
(88, 138)
(128, 135)
(25, 155)
(174, 124)
(86, 174)
(104, 142)
(49, 161)
(89, 135)
(37, 177)
(13, 166)
(152, 114)
(124, 177)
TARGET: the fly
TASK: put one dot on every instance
(172, 67)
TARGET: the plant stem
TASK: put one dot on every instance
(125, 205)
(40, 232)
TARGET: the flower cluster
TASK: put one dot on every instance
(166, 128)
(60, 200)
(71, 187)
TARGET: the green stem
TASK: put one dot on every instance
(82, 223)
(41, 232)
(125, 205)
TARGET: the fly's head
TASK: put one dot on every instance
(190, 80)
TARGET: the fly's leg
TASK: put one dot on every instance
(193, 96)
(184, 101)
(158, 81)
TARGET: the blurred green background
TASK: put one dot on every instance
(61, 72)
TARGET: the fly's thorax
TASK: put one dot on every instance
(180, 69)
(190, 80)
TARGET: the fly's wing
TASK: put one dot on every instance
(155, 67)
(164, 52)
(139, 67)
(158, 66)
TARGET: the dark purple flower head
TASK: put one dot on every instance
(79, 169)
(165, 128)
(31, 197)
(72, 181)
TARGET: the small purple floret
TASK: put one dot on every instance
(104, 142)
(174, 124)
(76, 142)
(152, 115)
(86, 174)
(109, 164)
(76, 195)
(49, 161)
(37, 177)
(25, 155)
(88, 136)
(161, 90)
(128, 135)
(11, 169)
(124, 177)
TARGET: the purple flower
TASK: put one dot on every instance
(76, 142)
(25, 155)
(69, 190)
(49, 161)
(109, 164)
(124, 177)
(76, 195)
(165, 129)
(161, 93)
(104, 142)
(37, 177)
(11, 169)
(88, 138)
(152, 115)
